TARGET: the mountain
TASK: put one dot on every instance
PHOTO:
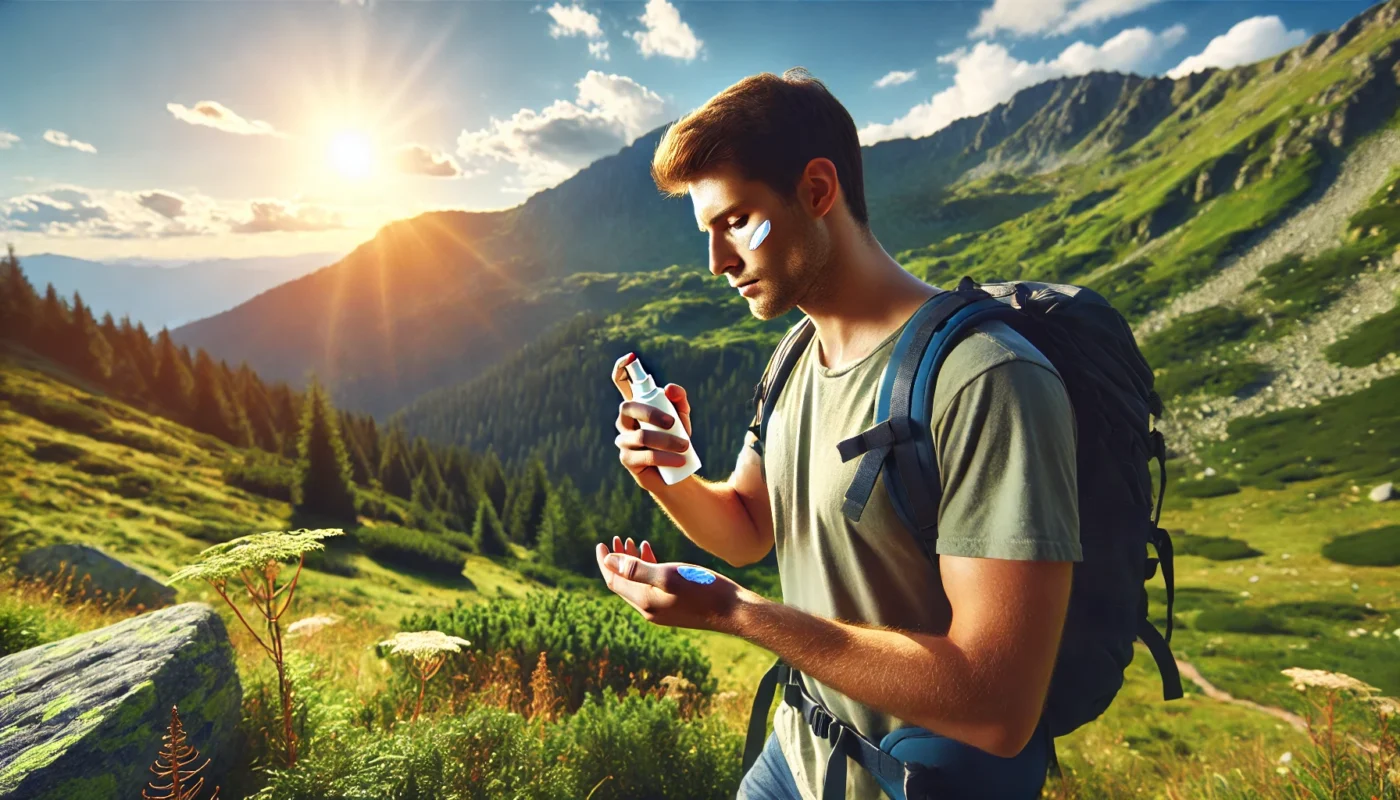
(163, 293)
(1071, 179)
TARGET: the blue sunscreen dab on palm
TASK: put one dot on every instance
(696, 574)
(759, 235)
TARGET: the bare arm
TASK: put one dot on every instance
(732, 519)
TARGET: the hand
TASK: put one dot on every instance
(640, 450)
(663, 596)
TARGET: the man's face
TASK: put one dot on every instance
(729, 210)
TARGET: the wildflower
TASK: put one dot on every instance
(1303, 678)
(1253, 578)
(1285, 758)
(310, 625)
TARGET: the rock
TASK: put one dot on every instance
(1383, 493)
(83, 717)
(107, 574)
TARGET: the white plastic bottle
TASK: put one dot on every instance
(645, 390)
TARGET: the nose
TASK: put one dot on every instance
(723, 256)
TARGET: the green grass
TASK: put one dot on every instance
(1193, 334)
(1368, 342)
(1379, 547)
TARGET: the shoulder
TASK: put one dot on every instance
(991, 346)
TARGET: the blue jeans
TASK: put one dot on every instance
(769, 778)
(964, 771)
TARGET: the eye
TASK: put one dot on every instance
(742, 220)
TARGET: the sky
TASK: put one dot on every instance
(230, 128)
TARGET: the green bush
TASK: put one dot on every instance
(59, 413)
(21, 628)
(614, 748)
(56, 452)
(93, 465)
(1370, 341)
(1215, 548)
(1374, 548)
(136, 440)
(1193, 334)
(553, 576)
(135, 485)
(588, 642)
(1240, 620)
(412, 549)
(1215, 379)
(1214, 486)
(262, 476)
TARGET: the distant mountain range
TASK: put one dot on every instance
(168, 293)
(1100, 179)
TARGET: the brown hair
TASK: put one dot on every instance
(769, 128)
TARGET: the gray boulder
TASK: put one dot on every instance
(83, 717)
(1383, 493)
(104, 573)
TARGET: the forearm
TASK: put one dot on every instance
(924, 679)
(712, 516)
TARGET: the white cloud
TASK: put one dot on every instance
(215, 115)
(573, 21)
(7, 140)
(666, 33)
(577, 21)
(1248, 41)
(550, 145)
(988, 74)
(1030, 17)
(166, 204)
(68, 211)
(416, 159)
(895, 78)
(269, 216)
(61, 139)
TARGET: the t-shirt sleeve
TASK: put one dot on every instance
(1006, 453)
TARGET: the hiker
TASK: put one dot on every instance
(926, 660)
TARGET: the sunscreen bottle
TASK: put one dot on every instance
(645, 390)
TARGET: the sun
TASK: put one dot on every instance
(352, 154)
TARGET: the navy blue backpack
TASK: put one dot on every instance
(1110, 387)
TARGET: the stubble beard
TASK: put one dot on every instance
(806, 273)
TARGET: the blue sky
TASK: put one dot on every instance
(222, 128)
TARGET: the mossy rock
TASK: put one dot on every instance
(94, 571)
(84, 716)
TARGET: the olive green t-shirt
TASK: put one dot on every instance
(1005, 440)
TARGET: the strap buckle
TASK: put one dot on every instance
(821, 722)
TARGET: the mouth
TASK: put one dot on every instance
(746, 288)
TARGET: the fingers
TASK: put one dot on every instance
(676, 393)
(647, 553)
(619, 375)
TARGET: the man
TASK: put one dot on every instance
(884, 638)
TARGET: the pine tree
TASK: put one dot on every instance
(393, 471)
(527, 503)
(51, 325)
(493, 479)
(567, 533)
(84, 348)
(18, 302)
(324, 469)
(211, 410)
(173, 380)
(487, 533)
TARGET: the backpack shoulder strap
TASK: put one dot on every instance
(775, 375)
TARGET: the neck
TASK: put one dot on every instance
(863, 296)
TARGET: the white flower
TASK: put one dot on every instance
(1244, 594)
(1286, 556)
(310, 625)
(423, 644)
(1285, 758)
(1253, 578)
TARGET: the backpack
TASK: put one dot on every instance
(1109, 384)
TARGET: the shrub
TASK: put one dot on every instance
(135, 485)
(1373, 548)
(553, 576)
(59, 413)
(93, 465)
(21, 628)
(136, 440)
(413, 549)
(590, 642)
(1215, 548)
(262, 476)
(56, 452)
(1214, 486)
(1240, 620)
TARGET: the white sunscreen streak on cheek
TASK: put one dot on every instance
(759, 235)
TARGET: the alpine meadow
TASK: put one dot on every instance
(334, 537)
